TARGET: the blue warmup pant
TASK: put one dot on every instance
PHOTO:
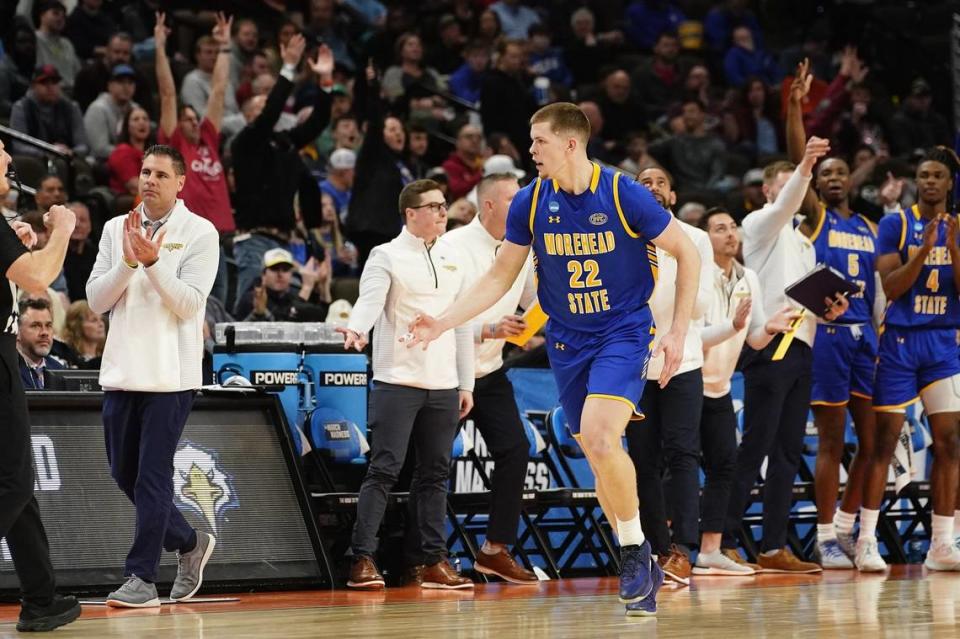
(142, 431)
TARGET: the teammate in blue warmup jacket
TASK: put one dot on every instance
(594, 233)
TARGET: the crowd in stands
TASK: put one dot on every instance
(302, 120)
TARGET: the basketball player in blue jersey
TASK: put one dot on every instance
(594, 234)
(844, 351)
(919, 265)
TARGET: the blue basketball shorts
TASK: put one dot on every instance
(844, 363)
(910, 359)
(610, 365)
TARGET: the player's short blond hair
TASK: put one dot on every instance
(564, 118)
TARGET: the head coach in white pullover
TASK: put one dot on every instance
(417, 393)
(776, 392)
(668, 434)
(154, 270)
(495, 411)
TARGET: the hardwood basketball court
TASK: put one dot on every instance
(906, 602)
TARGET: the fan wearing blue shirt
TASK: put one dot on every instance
(594, 234)
(466, 81)
(546, 60)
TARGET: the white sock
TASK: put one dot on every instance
(941, 529)
(630, 532)
(956, 521)
(868, 523)
(843, 522)
(770, 553)
(825, 533)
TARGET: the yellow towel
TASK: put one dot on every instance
(788, 337)
(535, 319)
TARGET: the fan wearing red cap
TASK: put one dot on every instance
(44, 113)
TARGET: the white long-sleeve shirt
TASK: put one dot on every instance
(479, 250)
(779, 253)
(664, 296)
(155, 341)
(722, 343)
(401, 279)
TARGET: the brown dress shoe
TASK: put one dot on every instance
(734, 554)
(414, 576)
(442, 576)
(785, 561)
(364, 574)
(676, 566)
(503, 565)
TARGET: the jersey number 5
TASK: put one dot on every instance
(577, 270)
(853, 264)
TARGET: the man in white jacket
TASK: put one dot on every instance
(668, 435)
(154, 270)
(777, 392)
(417, 393)
(731, 320)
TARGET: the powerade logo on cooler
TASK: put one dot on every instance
(335, 378)
(274, 378)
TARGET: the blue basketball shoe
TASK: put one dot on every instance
(647, 607)
(636, 581)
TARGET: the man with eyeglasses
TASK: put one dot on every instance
(417, 393)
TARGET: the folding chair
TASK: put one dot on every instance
(470, 506)
(580, 532)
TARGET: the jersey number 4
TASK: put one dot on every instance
(577, 270)
(933, 281)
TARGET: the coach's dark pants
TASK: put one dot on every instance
(718, 438)
(142, 431)
(19, 513)
(775, 405)
(398, 413)
(496, 417)
(669, 437)
(498, 420)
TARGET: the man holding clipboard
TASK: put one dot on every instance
(777, 390)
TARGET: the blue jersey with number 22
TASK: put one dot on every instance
(594, 259)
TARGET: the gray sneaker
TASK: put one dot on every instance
(848, 544)
(190, 568)
(135, 593)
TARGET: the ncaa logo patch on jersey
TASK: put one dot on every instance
(598, 219)
(554, 206)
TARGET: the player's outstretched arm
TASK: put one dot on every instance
(674, 241)
(482, 295)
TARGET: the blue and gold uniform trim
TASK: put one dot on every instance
(823, 219)
(904, 225)
(616, 202)
(533, 203)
